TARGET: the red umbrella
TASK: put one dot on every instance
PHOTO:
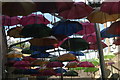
(117, 41)
(30, 59)
(114, 28)
(85, 64)
(78, 10)
(88, 28)
(111, 7)
(54, 64)
(33, 19)
(93, 45)
(10, 21)
(22, 64)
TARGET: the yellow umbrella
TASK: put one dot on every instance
(14, 54)
(98, 16)
(67, 57)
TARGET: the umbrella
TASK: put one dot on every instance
(88, 28)
(77, 53)
(98, 16)
(109, 56)
(52, 7)
(17, 8)
(39, 62)
(54, 64)
(114, 28)
(21, 64)
(10, 21)
(71, 65)
(14, 54)
(15, 32)
(67, 57)
(26, 51)
(38, 54)
(117, 41)
(90, 69)
(36, 30)
(33, 19)
(110, 7)
(28, 58)
(105, 34)
(10, 63)
(58, 70)
(53, 59)
(71, 73)
(94, 46)
(93, 61)
(75, 44)
(77, 68)
(77, 11)
(14, 59)
(46, 41)
(85, 64)
(66, 28)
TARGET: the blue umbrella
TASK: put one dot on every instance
(104, 34)
(58, 70)
(77, 53)
(66, 28)
(14, 59)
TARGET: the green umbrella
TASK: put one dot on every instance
(91, 69)
(77, 68)
(54, 59)
(71, 73)
(109, 56)
(94, 61)
(75, 44)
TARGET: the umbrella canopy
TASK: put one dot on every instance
(33, 19)
(21, 64)
(66, 28)
(54, 64)
(26, 51)
(94, 46)
(90, 69)
(47, 41)
(28, 58)
(85, 64)
(77, 11)
(110, 7)
(58, 70)
(101, 17)
(36, 30)
(67, 57)
(14, 54)
(14, 59)
(53, 59)
(71, 65)
(77, 53)
(75, 44)
(114, 28)
(109, 56)
(39, 62)
(93, 61)
(88, 28)
(10, 21)
(15, 32)
(17, 8)
(78, 68)
(10, 63)
(117, 41)
(105, 34)
(52, 7)
(71, 73)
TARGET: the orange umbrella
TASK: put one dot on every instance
(72, 65)
(39, 62)
(14, 54)
(46, 41)
(98, 16)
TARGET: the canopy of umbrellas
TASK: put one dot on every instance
(45, 38)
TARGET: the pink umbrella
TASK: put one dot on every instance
(33, 19)
(93, 45)
(22, 64)
(10, 21)
(54, 64)
(111, 7)
(85, 64)
(88, 28)
(78, 10)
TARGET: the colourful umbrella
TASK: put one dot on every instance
(17, 8)
(93, 61)
(71, 65)
(54, 64)
(75, 44)
(53, 59)
(77, 68)
(90, 69)
(39, 62)
(28, 58)
(117, 41)
(101, 17)
(33, 19)
(67, 57)
(14, 59)
(10, 21)
(10, 63)
(114, 28)
(26, 51)
(94, 46)
(58, 70)
(14, 54)
(88, 28)
(110, 7)
(71, 73)
(77, 53)
(66, 27)
(85, 64)
(36, 30)
(22, 64)
(47, 41)
(77, 11)
(15, 32)
(109, 56)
